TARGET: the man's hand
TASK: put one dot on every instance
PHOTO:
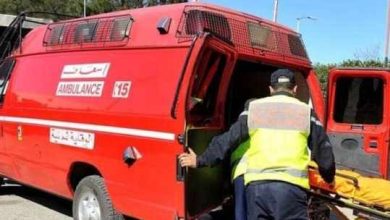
(188, 159)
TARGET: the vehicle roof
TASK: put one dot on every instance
(144, 33)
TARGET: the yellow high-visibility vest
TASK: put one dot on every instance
(279, 127)
(238, 160)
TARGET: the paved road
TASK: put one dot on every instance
(23, 203)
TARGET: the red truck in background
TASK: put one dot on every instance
(358, 126)
(358, 119)
(97, 109)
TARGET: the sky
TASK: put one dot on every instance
(343, 29)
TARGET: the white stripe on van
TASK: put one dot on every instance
(91, 127)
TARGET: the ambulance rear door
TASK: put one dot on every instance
(206, 188)
(357, 123)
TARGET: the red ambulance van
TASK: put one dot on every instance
(97, 109)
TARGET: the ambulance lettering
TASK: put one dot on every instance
(82, 88)
(83, 71)
(86, 89)
(121, 89)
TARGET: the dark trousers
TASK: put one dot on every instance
(239, 198)
(275, 200)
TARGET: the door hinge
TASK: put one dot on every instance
(181, 139)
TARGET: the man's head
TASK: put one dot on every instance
(283, 80)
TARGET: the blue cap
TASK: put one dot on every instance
(282, 76)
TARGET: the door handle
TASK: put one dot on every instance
(373, 144)
(357, 127)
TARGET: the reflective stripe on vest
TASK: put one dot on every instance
(291, 116)
(278, 127)
(291, 171)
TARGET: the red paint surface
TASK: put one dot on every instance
(153, 63)
(377, 132)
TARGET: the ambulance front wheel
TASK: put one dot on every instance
(92, 202)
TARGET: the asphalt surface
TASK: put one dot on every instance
(23, 203)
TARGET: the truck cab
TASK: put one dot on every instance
(358, 119)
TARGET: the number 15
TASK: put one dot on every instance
(121, 89)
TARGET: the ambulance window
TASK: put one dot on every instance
(56, 35)
(120, 29)
(296, 46)
(261, 36)
(359, 100)
(204, 21)
(205, 88)
(5, 70)
(85, 32)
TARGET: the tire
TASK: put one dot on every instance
(1, 181)
(91, 201)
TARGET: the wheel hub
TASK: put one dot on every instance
(89, 208)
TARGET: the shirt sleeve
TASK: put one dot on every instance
(221, 145)
(321, 148)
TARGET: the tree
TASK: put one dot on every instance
(322, 70)
(370, 53)
(75, 7)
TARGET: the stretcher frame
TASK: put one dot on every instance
(361, 209)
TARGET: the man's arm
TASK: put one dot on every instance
(321, 149)
(220, 145)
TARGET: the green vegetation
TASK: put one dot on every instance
(75, 7)
(322, 70)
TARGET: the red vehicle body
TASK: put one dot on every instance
(358, 122)
(121, 95)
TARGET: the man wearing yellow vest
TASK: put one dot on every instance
(283, 134)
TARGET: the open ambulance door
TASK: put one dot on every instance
(358, 120)
(206, 188)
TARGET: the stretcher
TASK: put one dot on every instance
(366, 196)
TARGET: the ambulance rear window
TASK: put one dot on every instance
(205, 89)
(261, 36)
(296, 46)
(359, 100)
